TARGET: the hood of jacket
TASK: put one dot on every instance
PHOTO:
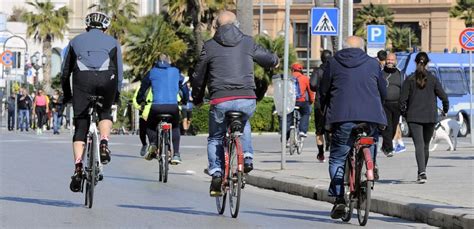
(162, 64)
(228, 35)
(351, 57)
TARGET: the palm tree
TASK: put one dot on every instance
(145, 44)
(196, 13)
(400, 37)
(464, 10)
(372, 15)
(44, 25)
(263, 76)
(122, 13)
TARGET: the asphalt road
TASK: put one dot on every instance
(34, 192)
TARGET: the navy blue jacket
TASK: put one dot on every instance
(353, 88)
(164, 82)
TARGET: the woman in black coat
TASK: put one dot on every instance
(419, 106)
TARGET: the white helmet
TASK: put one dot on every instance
(97, 20)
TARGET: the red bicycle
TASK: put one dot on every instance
(359, 175)
(233, 180)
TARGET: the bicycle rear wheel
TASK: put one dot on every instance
(235, 179)
(300, 141)
(92, 171)
(292, 140)
(165, 147)
(347, 192)
(364, 190)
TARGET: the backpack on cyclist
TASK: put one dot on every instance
(297, 88)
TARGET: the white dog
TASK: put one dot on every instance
(447, 129)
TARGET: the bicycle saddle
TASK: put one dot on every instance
(360, 129)
(165, 116)
(297, 107)
(233, 114)
(94, 98)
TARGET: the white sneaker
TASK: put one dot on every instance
(303, 135)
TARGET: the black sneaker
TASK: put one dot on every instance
(339, 209)
(422, 178)
(76, 181)
(248, 165)
(104, 152)
(216, 185)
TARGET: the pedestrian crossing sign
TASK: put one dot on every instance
(324, 21)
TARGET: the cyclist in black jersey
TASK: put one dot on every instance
(95, 61)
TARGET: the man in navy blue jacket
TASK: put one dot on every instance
(352, 91)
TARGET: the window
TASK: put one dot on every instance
(301, 35)
(452, 80)
(402, 61)
(151, 6)
(301, 54)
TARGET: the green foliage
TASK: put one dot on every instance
(122, 13)
(263, 76)
(263, 119)
(464, 10)
(47, 23)
(152, 36)
(373, 15)
(126, 96)
(400, 37)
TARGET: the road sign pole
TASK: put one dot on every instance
(285, 84)
(308, 44)
(341, 12)
(472, 95)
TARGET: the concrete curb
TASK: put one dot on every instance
(429, 213)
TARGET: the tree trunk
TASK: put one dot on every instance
(197, 31)
(245, 16)
(47, 65)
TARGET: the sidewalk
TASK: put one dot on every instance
(446, 200)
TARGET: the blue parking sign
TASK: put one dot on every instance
(376, 34)
(324, 21)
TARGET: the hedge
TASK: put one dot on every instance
(263, 119)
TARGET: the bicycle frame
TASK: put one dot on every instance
(230, 139)
(162, 128)
(361, 149)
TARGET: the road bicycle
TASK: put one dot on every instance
(164, 149)
(233, 181)
(295, 139)
(359, 175)
(93, 167)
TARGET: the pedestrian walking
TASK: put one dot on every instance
(315, 81)
(40, 108)
(11, 112)
(57, 107)
(24, 107)
(419, 106)
(391, 105)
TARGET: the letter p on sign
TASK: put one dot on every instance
(376, 34)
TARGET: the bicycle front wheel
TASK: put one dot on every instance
(347, 191)
(364, 191)
(220, 202)
(235, 179)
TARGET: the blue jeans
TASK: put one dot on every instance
(24, 119)
(56, 121)
(305, 112)
(217, 130)
(341, 144)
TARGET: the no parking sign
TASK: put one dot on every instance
(6, 58)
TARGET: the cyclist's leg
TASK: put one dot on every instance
(152, 124)
(105, 86)
(175, 132)
(305, 111)
(217, 128)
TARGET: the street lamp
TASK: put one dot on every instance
(35, 63)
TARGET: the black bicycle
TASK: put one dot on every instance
(93, 166)
(233, 181)
(165, 145)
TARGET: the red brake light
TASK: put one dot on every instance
(366, 141)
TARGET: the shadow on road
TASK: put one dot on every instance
(183, 210)
(455, 157)
(124, 155)
(287, 161)
(324, 215)
(47, 202)
(131, 178)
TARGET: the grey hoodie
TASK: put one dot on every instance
(226, 65)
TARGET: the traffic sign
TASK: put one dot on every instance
(376, 34)
(324, 21)
(6, 58)
(466, 39)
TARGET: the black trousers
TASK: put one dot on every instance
(421, 134)
(153, 122)
(142, 128)
(11, 120)
(41, 116)
(392, 111)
